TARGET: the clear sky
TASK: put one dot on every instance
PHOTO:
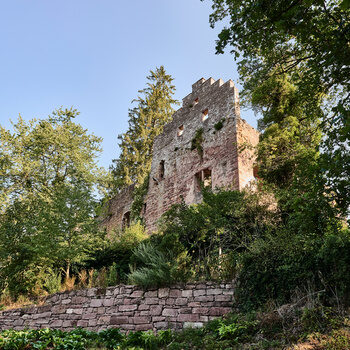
(95, 55)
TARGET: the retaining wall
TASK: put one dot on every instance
(126, 307)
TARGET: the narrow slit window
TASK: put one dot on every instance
(207, 178)
(195, 101)
(180, 130)
(126, 220)
(161, 170)
(205, 115)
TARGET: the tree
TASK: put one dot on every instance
(146, 121)
(307, 40)
(48, 184)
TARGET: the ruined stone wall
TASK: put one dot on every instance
(117, 208)
(175, 155)
(206, 139)
(247, 140)
(125, 307)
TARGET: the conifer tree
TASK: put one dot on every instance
(146, 121)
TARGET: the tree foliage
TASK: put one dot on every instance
(146, 121)
(308, 42)
(48, 183)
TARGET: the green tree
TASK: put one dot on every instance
(146, 121)
(307, 40)
(48, 183)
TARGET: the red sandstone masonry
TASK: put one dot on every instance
(227, 153)
(126, 307)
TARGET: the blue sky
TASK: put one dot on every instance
(95, 55)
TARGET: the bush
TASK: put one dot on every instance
(275, 267)
(159, 269)
(117, 253)
(225, 222)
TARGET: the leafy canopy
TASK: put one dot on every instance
(48, 183)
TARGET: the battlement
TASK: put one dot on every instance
(205, 87)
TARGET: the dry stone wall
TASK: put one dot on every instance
(126, 307)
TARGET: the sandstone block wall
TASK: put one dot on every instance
(212, 108)
(224, 155)
(126, 307)
(117, 209)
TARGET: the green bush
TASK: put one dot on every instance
(226, 222)
(275, 267)
(117, 253)
(158, 270)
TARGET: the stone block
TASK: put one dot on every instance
(155, 310)
(170, 312)
(66, 301)
(201, 310)
(214, 291)
(158, 318)
(42, 315)
(78, 311)
(82, 323)
(118, 320)
(204, 298)
(127, 308)
(56, 323)
(143, 307)
(163, 292)
(193, 324)
(137, 294)
(223, 298)
(187, 293)
(141, 320)
(188, 318)
(185, 310)
(108, 302)
(101, 310)
(160, 325)
(199, 292)
(175, 293)
(219, 311)
(151, 294)
(170, 301)
(104, 320)
(96, 303)
(181, 301)
(143, 327)
(151, 301)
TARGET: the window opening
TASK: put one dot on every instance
(144, 207)
(203, 178)
(205, 115)
(195, 101)
(161, 169)
(126, 220)
(207, 178)
(180, 131)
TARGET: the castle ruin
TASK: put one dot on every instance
(206, 143)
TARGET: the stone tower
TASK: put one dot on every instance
(206, 143)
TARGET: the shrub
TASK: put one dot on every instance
(159, 269)
(117, 253)
(53, 282)
(274, 267)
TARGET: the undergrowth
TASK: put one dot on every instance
(319, 328)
